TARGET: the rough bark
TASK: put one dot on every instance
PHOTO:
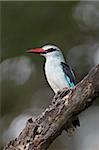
(41, 132)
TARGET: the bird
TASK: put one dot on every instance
(57, 71)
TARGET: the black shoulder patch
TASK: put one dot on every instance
(68, 72)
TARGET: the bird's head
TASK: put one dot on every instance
(46, 50)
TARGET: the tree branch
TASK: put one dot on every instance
(41, 132)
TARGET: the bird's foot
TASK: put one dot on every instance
(63, 93)
(72, 89)
(65, 88)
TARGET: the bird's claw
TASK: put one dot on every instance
(63, 93)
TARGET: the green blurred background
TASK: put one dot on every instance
(71, 25)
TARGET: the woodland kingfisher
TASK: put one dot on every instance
(58, 73)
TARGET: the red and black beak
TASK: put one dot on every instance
(36, 50)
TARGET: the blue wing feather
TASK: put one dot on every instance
(71, 81)
(69, 74)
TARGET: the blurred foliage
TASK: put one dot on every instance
(29, 24)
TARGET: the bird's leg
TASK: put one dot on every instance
(64, 92)
(65, 88)
(72, 89)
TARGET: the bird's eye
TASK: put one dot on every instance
(51, 50)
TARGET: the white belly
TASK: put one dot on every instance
(55, 76)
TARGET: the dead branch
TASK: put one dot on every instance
(41, 132)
